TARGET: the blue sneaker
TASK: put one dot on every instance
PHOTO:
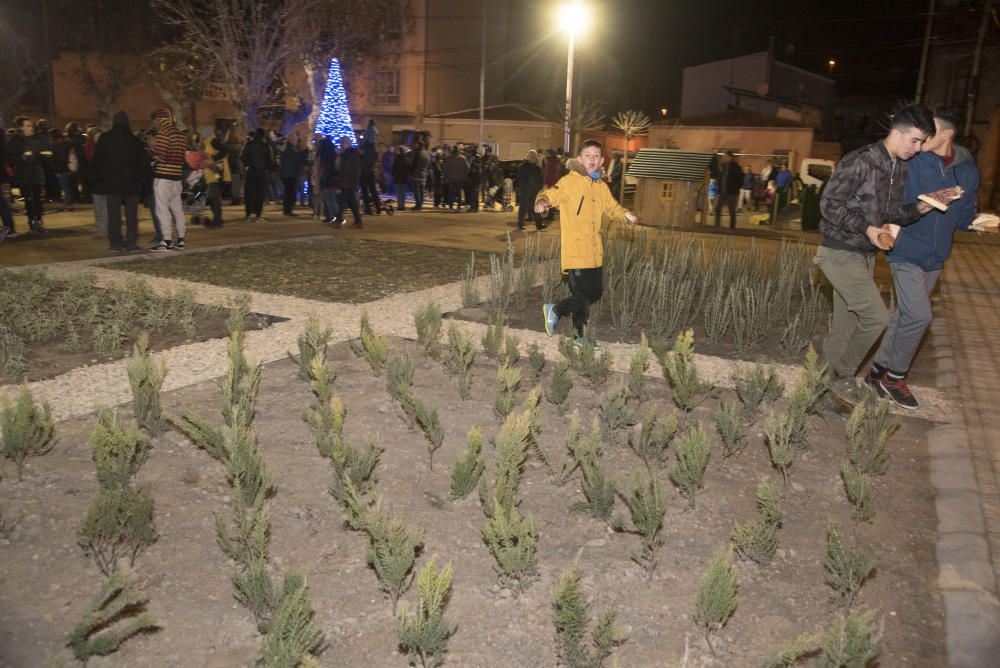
(551, 319)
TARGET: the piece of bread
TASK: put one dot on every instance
(985, 222)
(927, 199)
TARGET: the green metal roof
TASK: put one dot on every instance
(667, 163)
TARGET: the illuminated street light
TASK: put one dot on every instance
(574, 18)
(663, 112)
(832, 63)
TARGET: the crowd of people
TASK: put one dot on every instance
(184, 178)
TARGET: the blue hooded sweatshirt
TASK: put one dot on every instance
(927, 242)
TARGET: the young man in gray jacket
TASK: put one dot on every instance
(865, 192)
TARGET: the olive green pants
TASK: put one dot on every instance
(859, 314)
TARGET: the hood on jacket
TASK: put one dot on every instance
(120, 118)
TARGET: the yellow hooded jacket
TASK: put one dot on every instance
(212, 175)
(582, 203)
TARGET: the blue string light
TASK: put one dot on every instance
(334, 115)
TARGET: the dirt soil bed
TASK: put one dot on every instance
(46, 580)
(329, 269)
(530, 318)
(51, 359)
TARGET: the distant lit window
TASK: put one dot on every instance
(387, 87)
(667, 191)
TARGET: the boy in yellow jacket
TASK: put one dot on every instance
(583, 199)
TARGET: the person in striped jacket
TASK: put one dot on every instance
(168, 172)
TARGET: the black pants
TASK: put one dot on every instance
(417, 188)
(454, 194)
(115, 203)
(472, 196)
(730, 201)
(254, 190)
(526, 209)
(288, 187)
(369, 192)
(32, 200)
(586, 287)
(214, 198)
(349, 200)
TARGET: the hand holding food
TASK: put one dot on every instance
(940, 199)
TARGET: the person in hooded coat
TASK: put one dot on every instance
(120, 164)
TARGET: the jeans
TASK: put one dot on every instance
(67, 183)
(369, 192)
(101, 213)
(32, 200)
(349, 200)
(526, 209)
(859, 314)
(114, 214)
(331, 208)
(417, 188)
(288, 188)
(912, 317)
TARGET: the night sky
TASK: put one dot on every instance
(637, 49)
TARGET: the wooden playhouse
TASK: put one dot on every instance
(672, 186)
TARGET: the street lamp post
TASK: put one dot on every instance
(574, 18)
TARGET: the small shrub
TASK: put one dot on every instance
(459, 358)
(291, 637)
(26, 428)
(805, 397)
(651, 444)
(537, 360)
(637, 370)
(560, 385)
(357, 465)
(511, 449)
(582, 449)
(615, 415)
(119, 524)
(757, 539)
(847, 568)
(778, 430)
(755, 385)
(859, 492)
(12, 353)
(469, 468)
(571, 618)
(375, 348)
(513, 542)
(732, 430)
(585, 358)
(716, 600)
(527, 276)
(425, 418)
(312, 342)
(113, 616)
(117, 454)
(868, 431)
(392, 551)
(852, 640)
(688, 473)
(424, 634)
(717, 312)
(400, 376)
(428, 324)
(508, 380)
(530, 411)
(511, 354)
(108, 336)
(493, 339)
(647, 508)
(682, 374)
(146, 378)
(813, 311)
(501, 282)
(598, 492)
(470, 284)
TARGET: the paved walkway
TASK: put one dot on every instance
(961, 361)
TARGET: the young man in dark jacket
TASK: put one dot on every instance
(119, 164)
(920, 253)
(529, 182)
(418, 174)
(730, 179)
(258, 159)
(865, 192)
(349, 179)
(30, 150)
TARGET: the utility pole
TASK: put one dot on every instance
(923, 53)
(482, 83)
(970, 98)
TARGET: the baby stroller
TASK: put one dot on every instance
(499, 195)
(195, 191)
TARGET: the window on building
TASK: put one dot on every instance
(387, 87)
(667, 191)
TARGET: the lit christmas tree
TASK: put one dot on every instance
(334, 116)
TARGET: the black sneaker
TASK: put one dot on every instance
(163, 247)
(899, 392)
(874, 381)
(180, 243)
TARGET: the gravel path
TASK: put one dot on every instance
(87, 389)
